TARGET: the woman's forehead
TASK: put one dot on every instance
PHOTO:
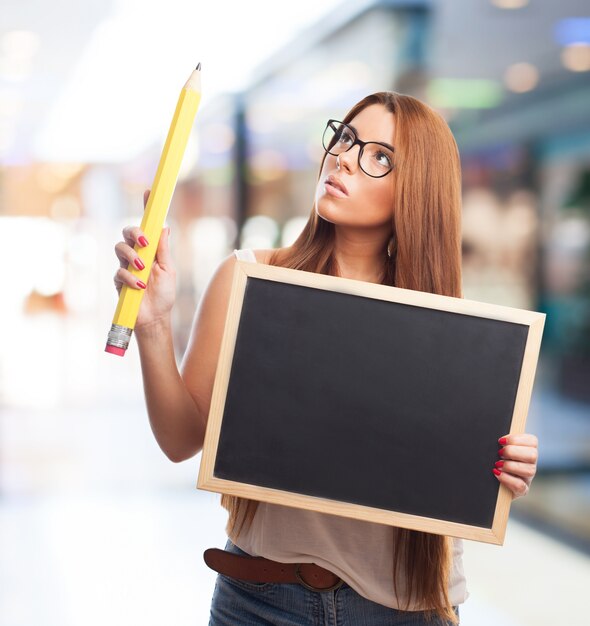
(374, 123)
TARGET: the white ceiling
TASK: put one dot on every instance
(104, 80)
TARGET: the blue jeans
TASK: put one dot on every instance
(243, 603)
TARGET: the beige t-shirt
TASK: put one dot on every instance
(360, 552)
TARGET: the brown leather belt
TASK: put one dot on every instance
(261, 570)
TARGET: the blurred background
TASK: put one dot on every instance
(96, 524)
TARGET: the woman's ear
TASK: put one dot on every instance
(390, 247)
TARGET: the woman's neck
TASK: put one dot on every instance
(360, 258)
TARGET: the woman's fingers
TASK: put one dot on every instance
(524, 439)
(125, 277)
(528, 454)
(519, 486)
(516, 468)
(518, 464)
(134, 235)
(522, 447)
(127, 255)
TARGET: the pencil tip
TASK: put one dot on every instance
(199, 66)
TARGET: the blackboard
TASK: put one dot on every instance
(368, 401)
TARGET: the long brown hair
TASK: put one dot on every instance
(424, 255)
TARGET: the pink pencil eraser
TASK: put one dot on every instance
(115, 350)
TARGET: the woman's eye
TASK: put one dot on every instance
(385, 161)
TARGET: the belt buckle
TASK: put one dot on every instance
(311, 587)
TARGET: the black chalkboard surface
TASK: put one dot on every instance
(368, 401)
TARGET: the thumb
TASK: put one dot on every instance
(163, 255)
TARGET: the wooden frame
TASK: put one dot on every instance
(246, 270)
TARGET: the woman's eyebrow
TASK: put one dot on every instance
(381, 142)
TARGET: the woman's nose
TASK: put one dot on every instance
(348, 159)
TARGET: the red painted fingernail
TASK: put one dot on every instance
(496, 471)
(143, 241)
(501, 451)
(499, 463)
(503, 441)
(141, 284)
(138, 264)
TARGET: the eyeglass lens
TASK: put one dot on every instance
(375, 160)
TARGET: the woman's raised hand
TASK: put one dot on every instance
(160, 292)
(518, 462)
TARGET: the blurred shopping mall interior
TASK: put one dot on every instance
(87, 92)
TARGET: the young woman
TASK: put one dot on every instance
(387, 210)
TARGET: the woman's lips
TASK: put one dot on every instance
(334, 191)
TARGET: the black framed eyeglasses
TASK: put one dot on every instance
(375, 158)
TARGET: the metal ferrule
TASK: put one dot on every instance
(119, 336)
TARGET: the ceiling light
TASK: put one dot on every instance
(521, 77)
(576, 57)
(510, 4)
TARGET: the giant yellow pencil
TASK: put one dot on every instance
(156, 211)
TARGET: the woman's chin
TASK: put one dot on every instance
(325, 214)
(327, 208)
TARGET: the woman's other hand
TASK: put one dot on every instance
(160, 291)
(518, 462)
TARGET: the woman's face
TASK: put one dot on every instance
(368, 201)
